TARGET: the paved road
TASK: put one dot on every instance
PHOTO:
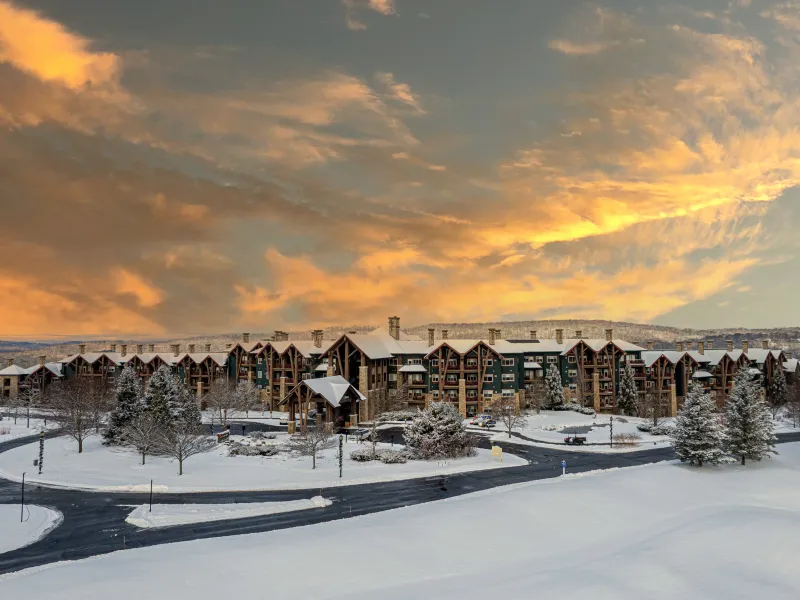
(94, 522)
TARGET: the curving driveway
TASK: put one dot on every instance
(94, 522)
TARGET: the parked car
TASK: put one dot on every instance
(575, 440)
(478, 419)
(488, 423)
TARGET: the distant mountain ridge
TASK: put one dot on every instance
(27, 353)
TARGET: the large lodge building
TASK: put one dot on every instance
(470, 373)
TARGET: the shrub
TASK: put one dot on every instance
(646, 427)
(399, 415)
(237, 449)
(261, 435)
(5, 430)
(392, 457)
(627, 439)
(363, 455)
(662, 430)
(620, 420)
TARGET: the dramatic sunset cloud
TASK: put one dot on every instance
(628, 161)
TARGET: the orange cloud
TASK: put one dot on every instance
(147, 295)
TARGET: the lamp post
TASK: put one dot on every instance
(22, 500)
(611, 430)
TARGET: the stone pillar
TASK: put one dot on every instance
(13, 391)
(329, 371)
(264, 398)
(520, 399)
(291, 427)
(462, 397)
(250, 374)
(596, 390)
(363, 387)
(517, 400)
(282, 389)
(673, 398)
(427, 398)
(199, 388)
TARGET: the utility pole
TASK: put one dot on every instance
(151, 495)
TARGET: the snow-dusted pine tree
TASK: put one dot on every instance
(777, 392)
(183, 407)
(439, 432)
(160, 396)
(129, 405)
(698, 436)
(553, 390)
(628, 395)
(748, 420)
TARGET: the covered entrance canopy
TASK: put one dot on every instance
(333, 396)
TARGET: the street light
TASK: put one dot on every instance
(611, 430)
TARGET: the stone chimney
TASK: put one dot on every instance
(246, 338)
(114, 348)
(701, 348)
(609, 335)
(394, 327)
(710, 345)
(9, 362)
(176, 349)
(431, 336)
(729, 343)
(559, 336)
(650, 345)
(765, 344)
(124, 349)
(139, 348)
(578, 333)
(352, 332)
(42, 358)
(208, 348)
(498, 334)
(745, 346)
(444, 334)
(679, 346)
(228, 346)
(81, 348)
(787, 354)
(151, 348)
(191, 348)
(533, 334)
(316, 335)
(492, 333)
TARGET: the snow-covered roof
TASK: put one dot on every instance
(651, 356)
(532, 365)
(600, 343)
(148, 357)
(790, 365)
(413, 369)
(54, 368)
(333, 389)
(14, 370)
(760, 354)
(93, 357)
(701, 375)
(322, 367)
(753, 371)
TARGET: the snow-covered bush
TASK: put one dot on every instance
(363, 455)
(392, 457)
(662, 429)
(238, 449)
(439, 432)
(584, 410)
(261, 435)
(399, 415)
(621, 420)
(646, 427)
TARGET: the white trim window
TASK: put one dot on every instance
(572, 372)
(395, 362)
(552, 360)
(414, 361)
(434, 362)
(435, 393)
(489, 362)
(487, 394)
(508, 393)
(508, 362)
(472, 362)
(571, 358)
(434, 378)
(573, 387)
(488, 378)
(509, 377)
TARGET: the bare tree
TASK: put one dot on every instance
(508, 414)
(246, 397)
(536, 395)
(182, 440)
(74, 408)
(793, 405)
(654, 406)
(221, 401)
(102, 402)
(29, 398)
(143, 434)
(310, 441)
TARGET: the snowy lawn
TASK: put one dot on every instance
(663, 531)
(37, 522)
(101, 468)
(11, 431)
(166, 515)
(255, 416)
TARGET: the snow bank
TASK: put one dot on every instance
(11, 431)
(166, 515)
(100, 468)
(662, 532)
(37, 522)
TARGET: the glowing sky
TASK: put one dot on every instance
(203, 166)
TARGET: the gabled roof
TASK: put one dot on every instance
(14, 370)
(332, 389)
(149, 357)
(651, 356)
(221, 358)
(790, 365)
(462, 346)
(598, 344)
(93, 357)
(760, 354)
(701, 375)
(532, 365)
(55, 368)
(413, 369)
(248, 346)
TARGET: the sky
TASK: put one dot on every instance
(198, 166)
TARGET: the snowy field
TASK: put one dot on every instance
(254, 416)
(101, 468)
(166, 515)
(37, 522)
(663, 531)
(11, 431)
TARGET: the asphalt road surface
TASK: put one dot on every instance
(94, 522)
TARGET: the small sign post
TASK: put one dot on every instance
(563, 467)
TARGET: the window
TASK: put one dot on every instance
(435, 378)
(572, 359)
(509, 377)
(452, 394)
(573, 387)
(508, 362)
(508, 393)
(472, 393)
(307, 375)
(487, 394)
(472, 378)
(489, 362)
(488, 378)
(395, 362)
(393, 377)
(451, 379)
(572, 372)
(551, 360)
(434, 362)
(415, 361)
(435, 393)
(472, 362)
(452, 362)
(649, 384)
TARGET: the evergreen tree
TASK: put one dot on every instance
(777, 392)
(439, 432)
(748, 420)
(129, 405)
(160, 397)
(698, 436)
(553, 390)
(184, 407)
(628, 395)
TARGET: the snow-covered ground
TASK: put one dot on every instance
(255, 416)
(37, 521)
(166, 515)
(102, 468)
(11, 431)
(663, 531)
